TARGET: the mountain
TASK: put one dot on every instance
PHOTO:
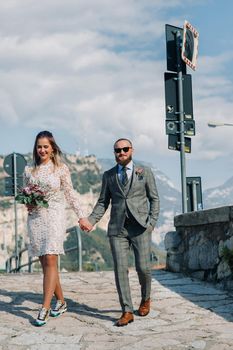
(219, 196)
(170, 199)
(86, 174)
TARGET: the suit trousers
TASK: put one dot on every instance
(139, 239)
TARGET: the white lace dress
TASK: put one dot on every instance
(47, 226)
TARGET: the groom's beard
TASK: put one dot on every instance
(124, 160)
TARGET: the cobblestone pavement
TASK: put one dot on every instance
(186, 314)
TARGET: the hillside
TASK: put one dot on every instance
(86, 174)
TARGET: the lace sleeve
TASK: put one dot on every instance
(69, 192)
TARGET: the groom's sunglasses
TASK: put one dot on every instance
(124, 149)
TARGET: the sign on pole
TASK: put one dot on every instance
(10, 185)
(182, 49)
(190, 45)
(174, 143)
(171, 96)
(9, 164)
(194, 193)
(172, 64)
(172, 127)
(14, 165)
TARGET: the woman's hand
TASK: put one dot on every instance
(85, 225)
(30, 208)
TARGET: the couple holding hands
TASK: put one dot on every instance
(134, 200)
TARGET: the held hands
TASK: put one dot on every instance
(85, 225)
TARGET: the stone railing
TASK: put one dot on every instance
(196, 247)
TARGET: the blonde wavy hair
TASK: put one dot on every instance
(56, 154)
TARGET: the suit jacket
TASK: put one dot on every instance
(141, 200)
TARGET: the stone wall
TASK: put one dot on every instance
(196, 247)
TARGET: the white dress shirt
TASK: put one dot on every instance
(129, 170)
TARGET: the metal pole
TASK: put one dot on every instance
(181, 122)
(194, 197)
(15, 209)
(30, 265)
(78, 233)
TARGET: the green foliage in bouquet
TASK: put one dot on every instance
(34, 195)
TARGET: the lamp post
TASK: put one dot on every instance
(215, 124)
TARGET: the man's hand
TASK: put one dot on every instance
(85, 225)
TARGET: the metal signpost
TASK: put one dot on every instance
(181, 122)
(181, 50)
(194, 193)
(14, 165)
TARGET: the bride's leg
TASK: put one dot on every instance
(58, 290)
(51, 278)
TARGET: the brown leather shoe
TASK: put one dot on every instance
(126, 317)
(144, 308)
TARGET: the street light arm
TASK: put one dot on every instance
(215, 124)
(211, 125)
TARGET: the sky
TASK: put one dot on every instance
(92, 71)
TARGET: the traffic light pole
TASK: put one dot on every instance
(15, 209)
(181, 122)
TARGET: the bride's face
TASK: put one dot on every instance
(44, 149)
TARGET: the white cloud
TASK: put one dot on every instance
(95, 69)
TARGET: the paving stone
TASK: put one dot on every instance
(221, 347)
(185, 314)
(199, 344)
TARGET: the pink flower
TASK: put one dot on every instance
(27, 190)
(34, 194)
(139, 173)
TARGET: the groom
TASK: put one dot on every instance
(134, 211)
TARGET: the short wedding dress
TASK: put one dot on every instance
(47, 226)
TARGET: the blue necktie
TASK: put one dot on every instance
(124, 177)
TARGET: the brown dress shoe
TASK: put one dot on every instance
(126, 317)
(144, 308)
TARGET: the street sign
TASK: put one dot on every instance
(189, 127)
(14, 165)
(174, 143)
(8, 164)
(172, 127)
(171, 48)
(10, 185)
(171, 96)
(194, 193)
(190, 45)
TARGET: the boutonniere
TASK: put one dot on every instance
(139, 173)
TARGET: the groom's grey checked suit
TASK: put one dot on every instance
(134, 213)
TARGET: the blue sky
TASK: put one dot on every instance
(92, 71)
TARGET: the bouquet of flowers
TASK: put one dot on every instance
(34, 194)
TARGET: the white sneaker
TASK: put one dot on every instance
(59, 309)
(42, 317)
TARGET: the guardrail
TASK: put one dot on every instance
(16, 260)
